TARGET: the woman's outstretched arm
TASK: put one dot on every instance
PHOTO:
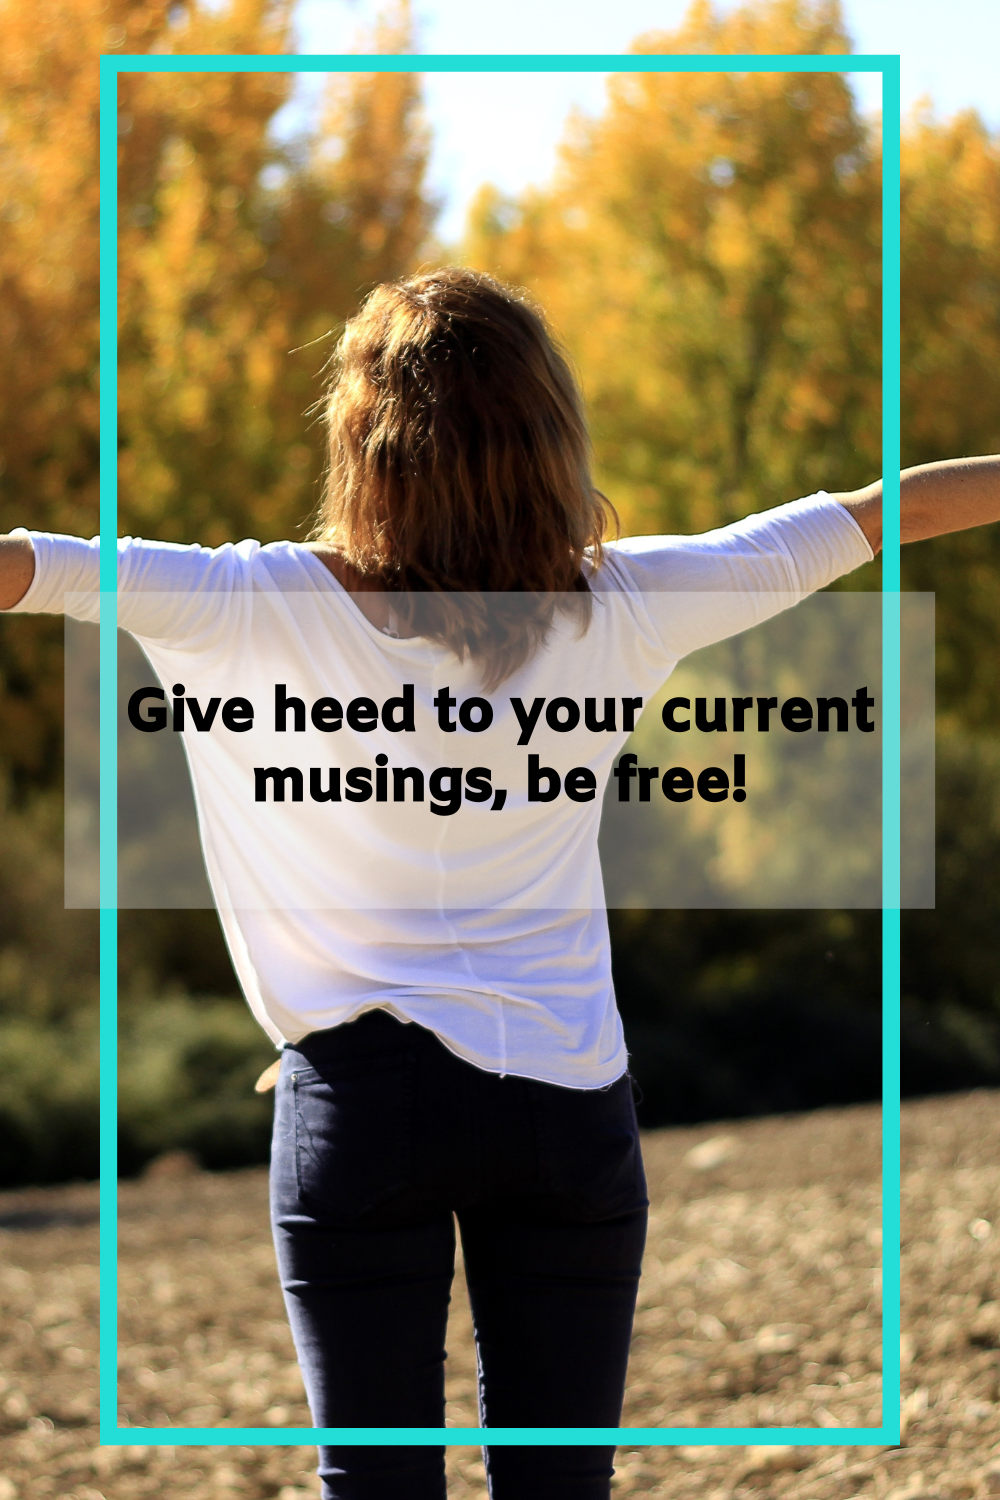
(933, 499)
(17, 569)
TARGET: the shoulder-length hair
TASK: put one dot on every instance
(459, 465)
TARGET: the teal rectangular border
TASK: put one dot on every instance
(888, 1434)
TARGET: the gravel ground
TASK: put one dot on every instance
(759, 1307)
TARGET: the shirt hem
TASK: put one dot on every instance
(615, 1070)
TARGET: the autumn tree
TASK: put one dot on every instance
(235, 249)
(951, 405)
(710, 253)
(951, 383)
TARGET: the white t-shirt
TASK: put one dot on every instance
(488, 930)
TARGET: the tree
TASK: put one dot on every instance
(236, 252)
(951, 405)
(709, 252)
(951, 383)
(235, 249)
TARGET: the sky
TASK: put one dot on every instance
(505, 129)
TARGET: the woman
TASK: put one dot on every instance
(441, 991)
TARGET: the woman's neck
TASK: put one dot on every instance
(369, 594)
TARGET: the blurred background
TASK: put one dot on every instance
(707, 247)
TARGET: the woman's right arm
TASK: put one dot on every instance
(954, 494)
(17, 569)
(166, 591)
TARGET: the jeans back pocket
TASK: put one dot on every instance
(588, 1147)
(353, 1132)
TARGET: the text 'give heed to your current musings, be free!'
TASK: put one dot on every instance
(748, 775)
(446, 788)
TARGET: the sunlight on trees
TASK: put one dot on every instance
(951, 383)
(234, 252)
(709, 252)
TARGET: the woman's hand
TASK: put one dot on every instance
(17, 569)
(933, 499)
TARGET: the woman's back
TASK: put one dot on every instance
(358, 861)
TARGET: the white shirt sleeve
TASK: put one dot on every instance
(166, 591)
(697, 590)
(63, 565)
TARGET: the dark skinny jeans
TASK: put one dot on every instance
(382, 1137)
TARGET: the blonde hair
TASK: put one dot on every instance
(459, 464)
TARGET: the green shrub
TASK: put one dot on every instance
(187, 1068)
(48, 1099)
(186, 1073)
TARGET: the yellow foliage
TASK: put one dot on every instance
(709, 252)
(951, 383)
(951, 287)
(238, 261)
(233, 252)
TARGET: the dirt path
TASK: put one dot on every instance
(759, 1307)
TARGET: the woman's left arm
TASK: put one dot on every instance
(933, 499)
(17, 569)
